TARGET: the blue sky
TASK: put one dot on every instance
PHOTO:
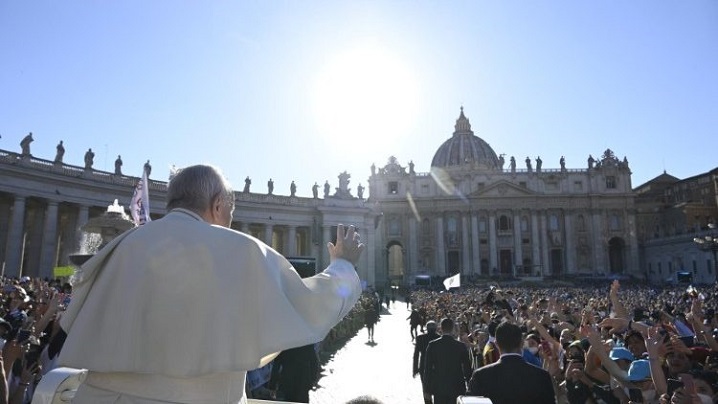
(303, 90)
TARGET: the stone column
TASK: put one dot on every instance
(268, 233)
(16, 233)
(518, 254)
(475, 245)
(326, 229)
(535, 244)
(570, 251)
(49, 241)
(465, 245)
(544, 245)
(440, 247)
(370, 254)
(493, 247)
(292, 241)
(412, 261)
(633, 263)
(598, 244)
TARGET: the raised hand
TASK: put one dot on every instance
(348, 247)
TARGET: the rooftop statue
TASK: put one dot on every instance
(89, 159)
(60, 152)
(118, 165)
(247, 183)
(25, 144)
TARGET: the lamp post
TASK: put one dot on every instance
(709, 242)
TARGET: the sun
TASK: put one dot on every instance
(365, 93)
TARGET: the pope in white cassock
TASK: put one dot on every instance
(177, 310)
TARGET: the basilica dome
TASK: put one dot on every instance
(464, 149)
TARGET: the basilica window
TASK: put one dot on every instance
(615, 222)
(393, 187)
(394, 226)
(451, 230)
(610, 182)
(524, 224)
(553, 223)
(504, 223)
(425, 227)
(581, 223)
(482, 225)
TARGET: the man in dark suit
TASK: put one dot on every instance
(512, 380)
(448, 366)
(294, 372)
(422, 342)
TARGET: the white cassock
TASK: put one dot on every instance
(178, 310)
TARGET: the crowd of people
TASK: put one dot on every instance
(610, 344)
(29, 333)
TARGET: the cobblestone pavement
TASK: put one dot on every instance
(382, 369)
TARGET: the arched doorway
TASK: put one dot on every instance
(616, 252)
(395, 264)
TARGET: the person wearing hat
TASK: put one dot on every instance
(17, 311)
(422, 342)
(639, 374)
(623, 358)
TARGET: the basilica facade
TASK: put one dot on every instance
(473, 213)
(476, 214)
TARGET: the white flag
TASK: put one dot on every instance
(452, 281)
(140, 204)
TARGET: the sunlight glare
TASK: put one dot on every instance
(365, 93)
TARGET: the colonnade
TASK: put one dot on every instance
(534, 242)
(38, 234)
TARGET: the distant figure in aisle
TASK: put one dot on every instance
(370, 319)
(118, 165)
(89, 159)
(415, 320)
(60, 152)
(25, 144)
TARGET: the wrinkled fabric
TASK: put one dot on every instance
(181, 298)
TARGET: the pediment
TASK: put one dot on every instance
(503, 189)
